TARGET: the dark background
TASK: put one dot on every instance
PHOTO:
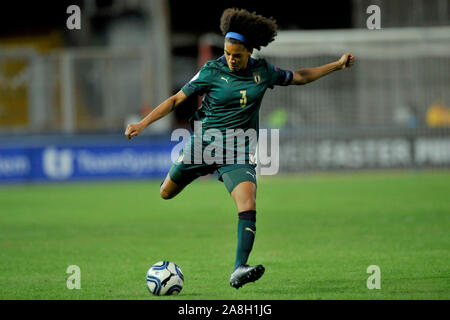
(199, 16)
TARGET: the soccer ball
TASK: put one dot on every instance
(164, 278)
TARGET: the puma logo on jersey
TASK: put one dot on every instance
(223, 78)
(252, 231)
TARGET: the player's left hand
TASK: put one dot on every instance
(346, 61)
(133, 130)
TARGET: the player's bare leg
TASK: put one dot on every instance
(169, 189)
(244, 196)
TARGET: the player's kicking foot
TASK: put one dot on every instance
(245, 274)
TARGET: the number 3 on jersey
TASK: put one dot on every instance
(244, 98)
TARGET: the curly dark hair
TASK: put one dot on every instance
(258, 31)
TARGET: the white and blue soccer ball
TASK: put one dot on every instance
(164, 278)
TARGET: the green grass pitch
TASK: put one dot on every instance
(316, 236)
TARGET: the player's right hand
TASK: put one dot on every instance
(346, 61)
(133, 130)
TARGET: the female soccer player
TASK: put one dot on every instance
(234, 86)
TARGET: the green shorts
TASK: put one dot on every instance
(231, 175)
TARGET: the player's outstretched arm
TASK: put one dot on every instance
(160, 111)
(307, 75)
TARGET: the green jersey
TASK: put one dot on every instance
(232, 99)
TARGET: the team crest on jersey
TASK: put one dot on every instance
(257, 77)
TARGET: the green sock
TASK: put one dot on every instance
(245, 236)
